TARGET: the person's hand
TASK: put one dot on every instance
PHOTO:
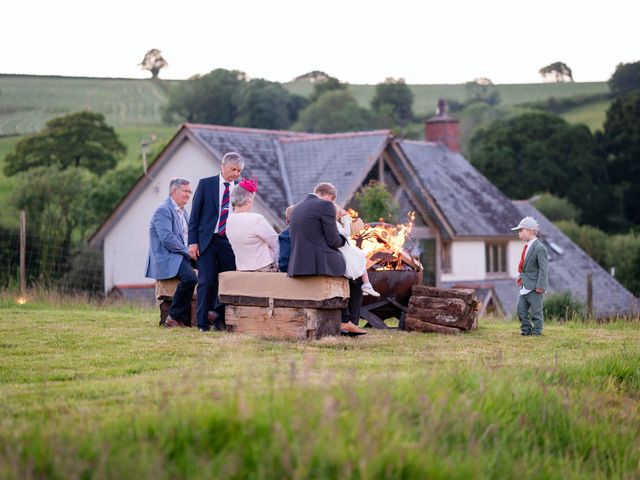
(519, 281)
(539, 290)
(194, 251)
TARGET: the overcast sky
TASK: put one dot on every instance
(358, 41)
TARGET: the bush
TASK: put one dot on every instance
(556, 208)
(562, 307)
(376, 204)
(591, 239)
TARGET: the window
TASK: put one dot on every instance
(445, 257)
(495, 257)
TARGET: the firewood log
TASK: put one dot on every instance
(440, 317)
(417, 325)
(467, 295)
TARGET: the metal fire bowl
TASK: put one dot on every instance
(395, 284)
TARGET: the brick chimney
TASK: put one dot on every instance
(442, 128)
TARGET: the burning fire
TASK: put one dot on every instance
(383, 244)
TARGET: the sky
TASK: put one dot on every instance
(357, 41)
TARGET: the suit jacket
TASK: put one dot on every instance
(166, 242)
(535, 270)
(205, 211)
(315, 239)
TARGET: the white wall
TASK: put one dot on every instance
(467, 261)
(514, 250)
(126, 244)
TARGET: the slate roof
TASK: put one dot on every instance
(473, 206)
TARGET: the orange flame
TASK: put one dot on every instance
(385, 238)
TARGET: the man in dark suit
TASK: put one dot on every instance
(168, 256)
(208, 242)
(314, 248)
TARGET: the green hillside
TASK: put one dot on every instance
(27, 102)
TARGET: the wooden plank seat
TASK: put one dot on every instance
(275, 306)
(164, 295)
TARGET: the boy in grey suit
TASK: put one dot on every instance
(532, 277)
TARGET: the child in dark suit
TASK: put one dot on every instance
(284, 241)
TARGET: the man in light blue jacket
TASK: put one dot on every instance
(533, 271)
(168, 256)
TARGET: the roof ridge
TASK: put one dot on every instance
(230, 128)
(331, 136)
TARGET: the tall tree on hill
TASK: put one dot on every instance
(625, 79)
(541, 152)
(82, 139)
(559, 70)
(153, 61)
(622, 143)
(394, 97)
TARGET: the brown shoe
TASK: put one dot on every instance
(171, 323)
(351, 329)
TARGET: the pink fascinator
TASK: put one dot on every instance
(249, 185)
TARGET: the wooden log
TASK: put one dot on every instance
(414, 324)
(327, 304)
(282, 322)
(454, 306)
(431, 315)
(468, 295)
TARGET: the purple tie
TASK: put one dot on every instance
(224, 210)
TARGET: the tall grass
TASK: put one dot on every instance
(98, 391)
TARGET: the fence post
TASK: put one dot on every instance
(590, 295)
(23, 253)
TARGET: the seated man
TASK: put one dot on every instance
(168, 256)
(315, 241)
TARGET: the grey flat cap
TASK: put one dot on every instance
(528, 223)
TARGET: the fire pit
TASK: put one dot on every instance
(392, 270)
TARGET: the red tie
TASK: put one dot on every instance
(521, 264)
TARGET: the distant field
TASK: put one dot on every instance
(426, 96)
(592, 115)
(27, 102)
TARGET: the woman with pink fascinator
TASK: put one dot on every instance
(253, 240)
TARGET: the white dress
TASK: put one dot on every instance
(354, 258)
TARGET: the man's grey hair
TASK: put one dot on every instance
(234, 158)
(177, 182)
(240, 197)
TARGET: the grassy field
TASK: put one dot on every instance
(592, 115)
(101, 392)
(27, 102)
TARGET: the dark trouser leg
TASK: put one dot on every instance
(537, 314)
(523, 315)
(352, 312)
(225, 261)
(181, 302)
(206, 275)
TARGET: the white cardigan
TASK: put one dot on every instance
(254, 242)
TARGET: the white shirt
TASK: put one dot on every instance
(524, 291)
(254, 242)
(182, 215)
(232, 186)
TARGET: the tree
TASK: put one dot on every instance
(153, 61)
(263, 104)
(205, 99)
(109, 190)
(556, 208)
(625, 79)
(535, 152)
(335, 111)
(55, 202)
(621, 140)
(376, 204)
(559, 70)
(322, 86)
(482, 90)
(313, 76)
(394, 97)
(77, 140)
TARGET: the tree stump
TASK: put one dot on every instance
(440, 310)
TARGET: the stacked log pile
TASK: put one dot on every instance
(440, 310)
